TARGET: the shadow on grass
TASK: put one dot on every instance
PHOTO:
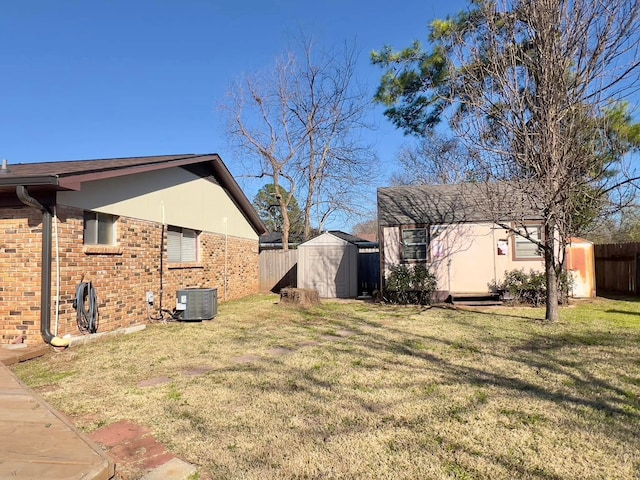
(625, 312)
(624, 297)
(400, 355)
(539, 352)
(496, 311)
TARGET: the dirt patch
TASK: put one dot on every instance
(330, 338)
(152, 382)
(279, 351)
(196, 372)
(346, 333)
(246, 359)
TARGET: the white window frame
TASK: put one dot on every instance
(99, 228)
(182, 245)
(531, 249)
(410, 243)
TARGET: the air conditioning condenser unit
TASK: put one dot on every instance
(197, 304)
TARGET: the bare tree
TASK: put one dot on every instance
(534, 89)
(262, 125)
(434, 159)
(300, 124)
(367, 227)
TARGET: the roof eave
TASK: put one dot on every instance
(29, 181)
(240, 199)
(74, 181)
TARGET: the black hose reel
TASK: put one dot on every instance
(86, 305)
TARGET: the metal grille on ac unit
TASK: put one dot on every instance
(197, 303)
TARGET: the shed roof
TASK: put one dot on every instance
(455, 203)
(348, 237)
(326, 238)
(46, 177)
(271, 239)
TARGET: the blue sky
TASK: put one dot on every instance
(84, 79)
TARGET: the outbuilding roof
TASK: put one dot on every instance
(455, 203)
(348, 237)
(47, 177)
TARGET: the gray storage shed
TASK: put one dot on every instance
(329, 264)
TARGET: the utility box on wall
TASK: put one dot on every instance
(197, 303)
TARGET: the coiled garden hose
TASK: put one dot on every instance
(86, 305)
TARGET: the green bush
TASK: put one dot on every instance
(529, 288)
(407, 284)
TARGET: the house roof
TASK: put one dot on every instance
(274, 240)
(456, 203)
(351, 238)
(369, 237)
(47, 177)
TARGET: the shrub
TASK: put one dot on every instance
(529, 288)
(407, 284)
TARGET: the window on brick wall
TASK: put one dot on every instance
(182, 245)
(99, 228)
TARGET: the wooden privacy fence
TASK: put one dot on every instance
(278, 269)
(617, 268)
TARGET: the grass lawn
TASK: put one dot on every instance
(352, 390)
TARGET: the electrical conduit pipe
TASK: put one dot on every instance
(45, 273)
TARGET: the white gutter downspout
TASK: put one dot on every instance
(495, 253)
(226, 256)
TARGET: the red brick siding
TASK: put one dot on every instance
(121, 275)
(20, 252)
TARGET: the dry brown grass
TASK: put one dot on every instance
(413, 393)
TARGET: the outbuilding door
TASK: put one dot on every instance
(328, 273)
(329, 265)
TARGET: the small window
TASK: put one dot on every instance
(99, 228)
(525, 248)
(182, 245)
(415, 243)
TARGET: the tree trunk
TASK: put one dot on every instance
(307, 214)
(552, 311)
(284, 204)
(286, 226)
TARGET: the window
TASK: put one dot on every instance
(525, 248)
(99, 228)
(415, 243)
(182, 245)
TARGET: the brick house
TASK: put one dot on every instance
(129, 226)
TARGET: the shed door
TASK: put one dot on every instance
(325, 272)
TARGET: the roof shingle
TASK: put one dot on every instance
(455, 203)
(74, 167)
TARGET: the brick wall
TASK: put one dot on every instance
(121, 275)
(20, 252)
